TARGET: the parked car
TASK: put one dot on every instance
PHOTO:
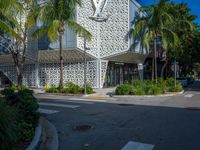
(183, 81)
(190, 80)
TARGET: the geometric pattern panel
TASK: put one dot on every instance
(29, 78)
(104, 65)
(108, 37)
(83, 14)
(10, 72)
(49, 73)
(113, 32)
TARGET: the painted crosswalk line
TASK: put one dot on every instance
(189, 95)
(58, 105)
(131, 145)
(47, 111)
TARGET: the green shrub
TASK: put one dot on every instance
(26, 104)
(123, 89)
(7, 92)
(16, 88)
(18, 116)
(170, 85)
(9, 133)
(64, 90)
(178, 88)
(26, 131)
(139, 90)
(53, 90)
(73, 88)
(89, 89)
(154, 90)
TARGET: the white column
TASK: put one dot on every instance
(99, 56)
(37, 84)
(140, 70)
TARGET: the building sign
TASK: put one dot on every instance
(99, 5)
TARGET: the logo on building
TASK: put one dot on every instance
(99, 6)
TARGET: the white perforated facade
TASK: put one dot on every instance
(109, 22)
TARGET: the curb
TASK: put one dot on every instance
(55, 143)
(164, 95)
(37, 138)
(50, 141)
(97, 97)
(49, 136)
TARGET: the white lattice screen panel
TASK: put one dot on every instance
(73, 72)
(10, 72)
(104, 65)
(83, 14)
(29, 74)
(110, 36)
(115, 29)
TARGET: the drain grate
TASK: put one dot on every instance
(82, 128)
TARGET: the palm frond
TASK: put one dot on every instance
(7, 28)
(79, 29)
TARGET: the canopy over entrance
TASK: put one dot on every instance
(127, 57)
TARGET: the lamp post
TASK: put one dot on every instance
(85, 66)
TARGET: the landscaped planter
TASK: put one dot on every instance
(149, 88)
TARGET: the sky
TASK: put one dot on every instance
(194, 5)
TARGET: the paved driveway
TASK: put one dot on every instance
(110, 126)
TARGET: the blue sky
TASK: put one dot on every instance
(194, 5)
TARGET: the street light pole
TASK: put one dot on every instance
(85, 66)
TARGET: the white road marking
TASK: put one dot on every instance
(47, 111)
(87, 100)
(131, 145)
(189, 95)
(73, 101)
(58, 105)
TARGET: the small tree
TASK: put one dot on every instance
(15, 24)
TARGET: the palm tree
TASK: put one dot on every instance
(55, 14)
(7, 21)
(155, 25)
(183, 27)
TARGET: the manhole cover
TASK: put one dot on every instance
(82, 127)
(193, 108)
(125, 104)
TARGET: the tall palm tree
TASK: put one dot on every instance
(154, 25)
(55, 14)
(183, 27)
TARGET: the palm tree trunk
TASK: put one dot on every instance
(152, 69)
(155, 60)
(61, 61)
(163, 67)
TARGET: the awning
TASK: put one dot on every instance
(69, 55)
(127, 57)
(8, 59)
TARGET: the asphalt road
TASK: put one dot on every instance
(172, 124)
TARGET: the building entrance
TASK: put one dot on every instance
(119, 73)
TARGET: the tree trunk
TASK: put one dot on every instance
(163, 67)
(152, 70)
(19, 75)
(155, 59)
(61, 61)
